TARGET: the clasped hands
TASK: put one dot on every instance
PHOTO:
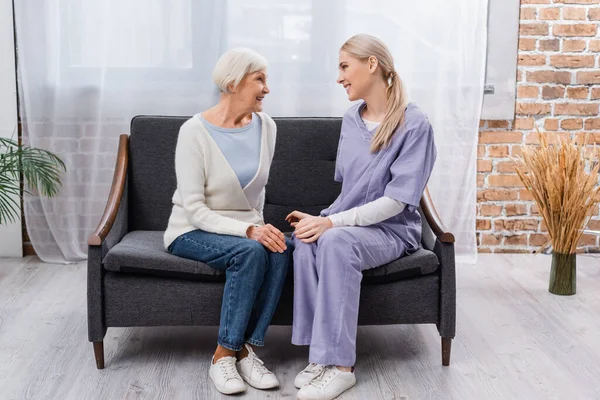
(308, 228)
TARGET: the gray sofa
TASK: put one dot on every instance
(133, 281)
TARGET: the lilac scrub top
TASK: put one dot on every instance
(400, 170)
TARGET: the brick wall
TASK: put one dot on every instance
(558, 88)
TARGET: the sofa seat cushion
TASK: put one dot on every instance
(143, 252)
(421, 262)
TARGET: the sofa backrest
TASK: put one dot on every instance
(152, 141)
(303, 167)
(301, 174)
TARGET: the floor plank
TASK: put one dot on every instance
(514, 341)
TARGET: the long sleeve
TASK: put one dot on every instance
(189, 169)
(368, 214)
(261, 204)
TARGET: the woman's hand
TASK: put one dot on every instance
(310, 228)
(269, 236)
(296, 216)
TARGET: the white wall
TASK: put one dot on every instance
(10, 234)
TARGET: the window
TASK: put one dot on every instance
(501, 70)
(164, 42)
(161, 40)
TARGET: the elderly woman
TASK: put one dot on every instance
(222, 163)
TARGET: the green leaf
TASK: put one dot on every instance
(9, 204)
(41, 170)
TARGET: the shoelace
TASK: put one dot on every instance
(326, 375)
(259, 364)
(313, 367)
(227, 365)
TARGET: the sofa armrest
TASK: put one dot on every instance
(439, 240)
(433, 219)
(447, 273)
(114, 211)
(111, 229)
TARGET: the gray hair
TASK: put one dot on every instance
(234, 65)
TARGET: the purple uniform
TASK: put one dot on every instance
(328, 273)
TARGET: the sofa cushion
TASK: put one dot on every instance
(301, 176)
(422, 262)
(143, 252)
(152, 143)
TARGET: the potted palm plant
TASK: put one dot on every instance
(562, 177)
(40, 169)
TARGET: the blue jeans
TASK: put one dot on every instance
(254, 280)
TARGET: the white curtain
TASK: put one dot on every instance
(86, 67)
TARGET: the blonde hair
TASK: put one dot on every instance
(363, 46)
(234, 65)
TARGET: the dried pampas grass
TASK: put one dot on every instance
(563, 180)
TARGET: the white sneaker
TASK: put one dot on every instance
(328, 385)
(252, 369)
(307, 374)
(225, 376)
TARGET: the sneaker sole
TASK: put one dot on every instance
(223, 390)
(257, 385)
(330, 397)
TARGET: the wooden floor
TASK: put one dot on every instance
(514, 341)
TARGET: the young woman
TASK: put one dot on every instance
(385, 157)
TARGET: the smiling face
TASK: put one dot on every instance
(252, 90)
(355, 75)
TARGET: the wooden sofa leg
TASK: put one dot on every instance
(99, 354)
(446, 346)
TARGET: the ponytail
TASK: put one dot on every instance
(394, 116)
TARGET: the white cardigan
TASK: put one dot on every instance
(209, 195)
